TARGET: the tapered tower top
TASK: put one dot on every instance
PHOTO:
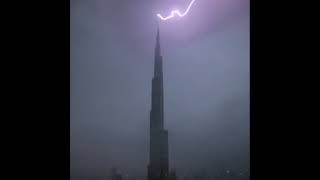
(158, 57)
(158, 50)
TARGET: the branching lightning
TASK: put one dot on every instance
(177, 12)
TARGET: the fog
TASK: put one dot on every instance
(206, 85)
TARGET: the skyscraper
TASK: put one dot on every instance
(158, 168)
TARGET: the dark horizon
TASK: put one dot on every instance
(205, 80)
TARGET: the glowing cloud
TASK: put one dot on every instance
(177, 12)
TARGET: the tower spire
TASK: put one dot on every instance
(158, 49)
(158, 57)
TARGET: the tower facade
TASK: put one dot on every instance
(158, 168)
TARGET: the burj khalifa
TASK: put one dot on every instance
(158, 168)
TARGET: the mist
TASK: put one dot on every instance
(206, 85)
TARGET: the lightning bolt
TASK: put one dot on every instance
(177, 12)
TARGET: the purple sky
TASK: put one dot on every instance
(206, 81)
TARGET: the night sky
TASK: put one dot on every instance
(206, 85)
